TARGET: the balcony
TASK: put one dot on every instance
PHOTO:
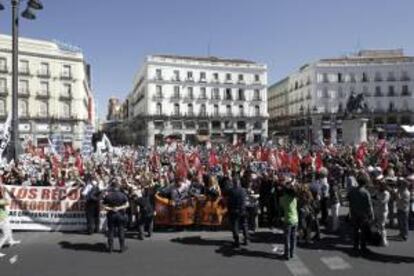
(65, 97)
(158, 97)
(176, 79)
(43, 74)
(4, 70)
(378, 79)
(24, 93)
(405, 78)
(24, 72)
(4, 92)
(43, 95)
(241, 99)
(66, 77)
(202, 97)
(202, 114)
(202, 80)
(189, 79)
(406, 94)
(379, 94)
(176, 97)
(215, 98)
(391, 79)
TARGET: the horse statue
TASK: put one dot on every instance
(355, 104)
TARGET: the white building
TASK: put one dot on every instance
(318, 92)
(191, 98)
(55, 94)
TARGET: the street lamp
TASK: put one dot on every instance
(28, 13)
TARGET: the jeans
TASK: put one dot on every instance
(5, 227)
(116, 224)
(403, 223)
(290, 240)
(237, 220)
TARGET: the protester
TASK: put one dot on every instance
(403, 207)
(5, 226)
(289, 205)
(237, 212)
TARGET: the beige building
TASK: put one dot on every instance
(55, 95)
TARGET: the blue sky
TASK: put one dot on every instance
(115, 35)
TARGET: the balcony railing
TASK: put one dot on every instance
(158, 97)
(406, 93)
(4, 91)
(202, 97)
(43, 74)
(66, 77)
(24, 72)
(43, 95)
(176, 97)
(4, 69)
(405, 78)
(65, 97)
(24, 93)
(391, 79)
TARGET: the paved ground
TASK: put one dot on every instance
(197, 253)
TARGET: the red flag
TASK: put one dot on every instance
(212, 160)
(295, 162)
(318, 162)
(79, 164)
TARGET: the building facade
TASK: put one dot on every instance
(54, 94)
(193, 98)
(311, 102)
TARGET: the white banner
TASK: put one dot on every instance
(46, 208)
(5, 139)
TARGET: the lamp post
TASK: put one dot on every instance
(28, 13)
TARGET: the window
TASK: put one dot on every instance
(325, 93)
(44, 88)
(241, 95)
(43, 109)
(340, 93)
(158, 91)
(44, 69)
(378, 92)
(158, 74)
(256, 95)
(189, 75)
(176, 109)
(203, 110)
(3, 65)
(176, 92)
(2, 107)
(364, 77)
(391, 107)
(241, 125)
(256, 78)
(352, 77)
(65, 109)
(228, 77)
(202, 76)
(404, 92)
(24, 67)
(23, 112)
(23, 87)
(391, 92)
(257, 125)
(216, 125)
(203, 93)
(216, 77)
(378, 76)
(176, 75)
(216, 110)
(241, 78)
(67, 90)
(391, 76)
(379, 106)
(228, 125)
(190, 110)
(216, 94)
(340, 79)
(228, 110)
(67, 71)
(228, 94)
(241, 110)
(3, 85)
(325, 77)
(257, 110)
(159, 109)
(404, 76)
(190, 93)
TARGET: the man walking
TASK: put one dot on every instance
(362, 213)
(237, 211)
(403, 207)
(289, 205)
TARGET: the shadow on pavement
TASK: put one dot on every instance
(96, 247)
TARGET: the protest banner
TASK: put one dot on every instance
(46, 208)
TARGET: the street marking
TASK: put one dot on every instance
(297, 267)
(336, 263)
(13, 259)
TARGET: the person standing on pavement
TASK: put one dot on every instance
(362, 213)
(237, 212)
(403, 207)
(91, 194)
(146, 212)
(380, 203)
(115, 202)
(289, 205)
(5, 226)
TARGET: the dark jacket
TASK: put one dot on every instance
(360, 204)
(237, 200)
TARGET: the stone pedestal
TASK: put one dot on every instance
(317, 135)
(354, 131)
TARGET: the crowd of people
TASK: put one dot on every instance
(297, 188)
